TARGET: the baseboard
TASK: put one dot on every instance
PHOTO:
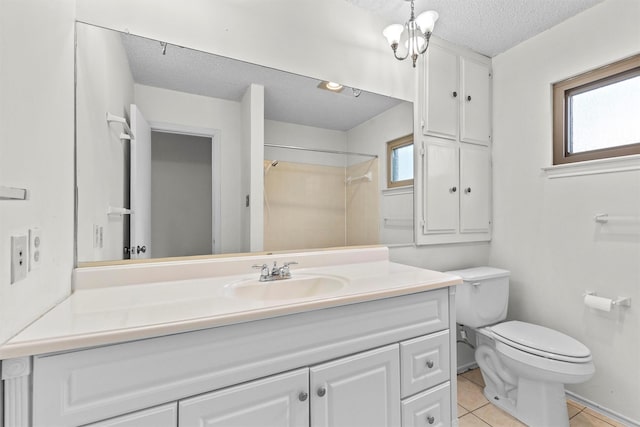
(604, 411)
(467, 367)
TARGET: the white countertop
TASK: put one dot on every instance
(125, 312)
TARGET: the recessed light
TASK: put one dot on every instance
(332, 86)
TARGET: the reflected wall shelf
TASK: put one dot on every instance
(127, 133)
(11, 193)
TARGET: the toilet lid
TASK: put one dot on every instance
(541, 341)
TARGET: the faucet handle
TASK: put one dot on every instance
(284, 270)
(264, 269)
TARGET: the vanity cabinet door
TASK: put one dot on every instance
(360, 390)
(280, 400)
(160, 416)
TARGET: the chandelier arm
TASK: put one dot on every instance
(427, 37)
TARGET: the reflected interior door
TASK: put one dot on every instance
(140, 225)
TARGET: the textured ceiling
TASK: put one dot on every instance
(486, 26)
(288, 97)
(489, 27)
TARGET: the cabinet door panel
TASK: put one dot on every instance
(424, 362)
(440, 104)
(441, 184)
(475, 182)
(475, 102)
(161, 416)
(273, 401)
(360, 390)
(431, 408)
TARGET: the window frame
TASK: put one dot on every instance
(392, 145)
(590, 80)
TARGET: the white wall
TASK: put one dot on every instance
(281, 133)
(36, 151)
(252, 167)
(544, 230)
(104, 84)
(167, 106)
(371, 137)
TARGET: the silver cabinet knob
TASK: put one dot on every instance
(303, 396)
(430, 419)
(469, 98)
(454, 94)
(322, 391)
(467, 190)
(453, 189)
(429, 364)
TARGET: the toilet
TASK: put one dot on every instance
(524, 366)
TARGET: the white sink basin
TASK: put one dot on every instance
(302, 286)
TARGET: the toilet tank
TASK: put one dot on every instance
(483, 297)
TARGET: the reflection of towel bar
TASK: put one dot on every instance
(10, 193)
(605, 218)
(118, 211)
(400, 222)
(127, 134)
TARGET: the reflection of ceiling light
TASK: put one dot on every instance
(419, 31)
(332, 86)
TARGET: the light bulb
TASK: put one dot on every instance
(393, 33)
(427, 20)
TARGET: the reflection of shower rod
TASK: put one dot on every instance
(320, 150)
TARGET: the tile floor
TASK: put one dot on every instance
(474, 410)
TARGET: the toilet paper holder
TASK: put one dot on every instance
(618, 302)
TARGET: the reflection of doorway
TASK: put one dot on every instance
(182, 195)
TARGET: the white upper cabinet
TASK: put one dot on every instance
(442, 87)
(456, 96)
(452, 182)
(475, 112)
(475, 191)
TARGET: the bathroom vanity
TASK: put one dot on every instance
(351, 339)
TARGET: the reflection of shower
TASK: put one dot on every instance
(270, 165)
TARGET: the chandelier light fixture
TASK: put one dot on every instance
(418, 32)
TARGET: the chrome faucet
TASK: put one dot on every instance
(275, 273)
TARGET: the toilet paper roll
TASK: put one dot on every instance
(599, 303)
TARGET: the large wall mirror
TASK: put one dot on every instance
(162, 152)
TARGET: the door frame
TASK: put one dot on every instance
(216, 176)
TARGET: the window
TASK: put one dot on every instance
(400, 162)
(595, 115)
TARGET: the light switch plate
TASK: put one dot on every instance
(18, 258)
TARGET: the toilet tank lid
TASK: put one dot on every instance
(479, 273)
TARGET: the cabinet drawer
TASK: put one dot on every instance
(431, 408)
(161, 416)
(424, 362)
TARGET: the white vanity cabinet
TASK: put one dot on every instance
(160, 416)
(369, 363)
(280, 400)
(453, 177)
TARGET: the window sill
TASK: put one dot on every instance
(593, 167)
(398, 190)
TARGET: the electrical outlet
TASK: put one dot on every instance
(35, 248)
(18, 258)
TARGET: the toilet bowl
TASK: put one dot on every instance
(524, 366)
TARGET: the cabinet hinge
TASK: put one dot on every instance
(422, 149)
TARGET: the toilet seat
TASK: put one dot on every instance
(540, 341)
